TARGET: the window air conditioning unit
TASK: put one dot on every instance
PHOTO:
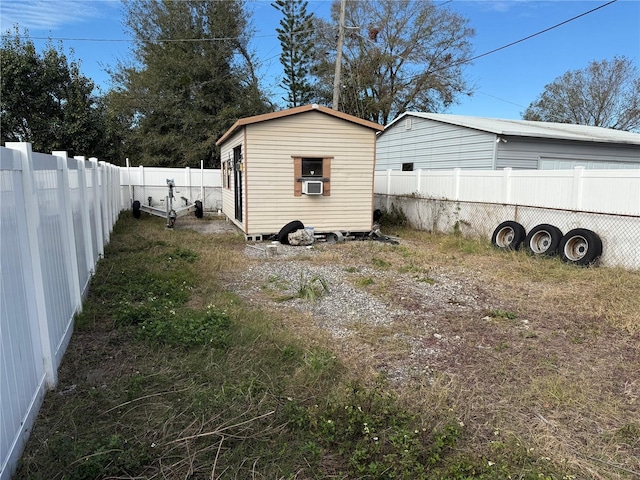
(312, 187)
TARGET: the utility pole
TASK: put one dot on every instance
(336, 77)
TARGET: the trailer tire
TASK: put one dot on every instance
(283, 234)
(136, 209)
(543, 239)
(580, 247)
(508, 235)
(199, 209)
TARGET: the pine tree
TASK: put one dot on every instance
(295, 35)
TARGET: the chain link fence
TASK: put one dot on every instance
(620, 234)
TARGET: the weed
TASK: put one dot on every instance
(380, 263)
(365, 281)
(427, 280)
(184, 254)
(188, 328)
(311, 288)
(395, 217)
(497, 313)
(378, 438)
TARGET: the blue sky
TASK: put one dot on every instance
(506, 82)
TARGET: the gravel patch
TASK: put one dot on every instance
(412, 316)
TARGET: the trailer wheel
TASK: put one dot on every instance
(508, 235)
(136, 209)
(543, 239)
(199, 209)
(283, 234)
(580, 247)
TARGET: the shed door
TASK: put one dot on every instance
(237, 169)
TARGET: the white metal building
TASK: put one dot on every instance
(430, 141)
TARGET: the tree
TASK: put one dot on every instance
(295, 35)
(605, 94)
(192, 79)
(46, 101)
(398, 55)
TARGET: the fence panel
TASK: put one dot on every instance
(148, 185)
(55, 215)
(544, 188)
(611, 191)
(488, 184)
(22, 374)
(601, 191)
(53, 245)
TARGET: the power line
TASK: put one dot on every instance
(463, 62)
(537, 33)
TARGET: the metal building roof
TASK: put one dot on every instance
(525, 128)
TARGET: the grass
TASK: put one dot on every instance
(177, 377)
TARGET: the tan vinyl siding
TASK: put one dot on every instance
(269, 153)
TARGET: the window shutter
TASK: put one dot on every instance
(326, 173)
(297, 175)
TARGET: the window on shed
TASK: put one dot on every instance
(227, 168)
(312, 168)
(407, 167)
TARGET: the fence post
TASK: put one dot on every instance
(129, 183)
(187, 182)
(86, 214)
(105, 207)
(33, 272)
(456, 183)
(388, 190)
(142, 183)
(202, 183)
(578, 185)
(68, 230)
(506, 185)
(97, 207)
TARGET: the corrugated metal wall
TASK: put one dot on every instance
(56, 215)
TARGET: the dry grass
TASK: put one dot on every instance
(551, 367)
(537, 361)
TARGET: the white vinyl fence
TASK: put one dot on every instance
(56, 215)
(148, 185)
(604, 191)
(475, 202)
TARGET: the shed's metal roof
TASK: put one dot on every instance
(525, 128)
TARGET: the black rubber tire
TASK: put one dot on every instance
(543, 239)
(580, 247)
(283, 234)
(508, 235)
(377, 215)
(199, 209)
(136, 209)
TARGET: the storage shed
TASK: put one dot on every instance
(431, 141)
(309, 163)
